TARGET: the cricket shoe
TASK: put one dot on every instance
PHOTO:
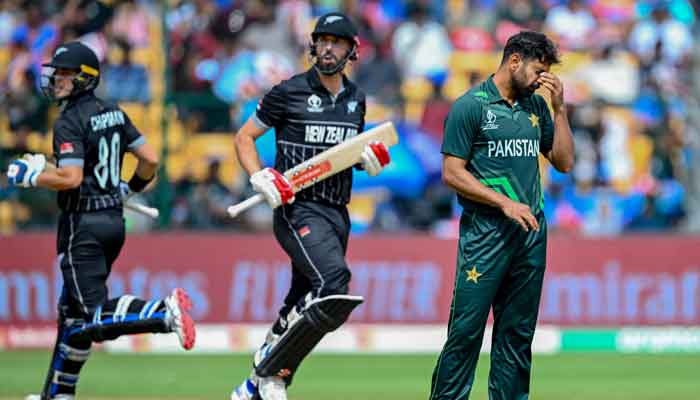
(58, 397)
(245, 391)
(272, 388)
(178, 318)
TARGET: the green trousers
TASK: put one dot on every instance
(499, 265)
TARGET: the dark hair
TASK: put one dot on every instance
(532, 46)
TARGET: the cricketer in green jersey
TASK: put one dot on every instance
(493, 136)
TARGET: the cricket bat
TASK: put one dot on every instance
(133, 206)
(327, 163)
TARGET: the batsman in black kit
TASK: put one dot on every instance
(89, 142)
(310, 112)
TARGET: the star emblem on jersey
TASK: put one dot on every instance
(314, 103)
(473, 275)
(534, 120)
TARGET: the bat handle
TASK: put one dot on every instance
(250, 202)
(142, 209)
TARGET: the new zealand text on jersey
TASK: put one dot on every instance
(328, 134)
(107, 120)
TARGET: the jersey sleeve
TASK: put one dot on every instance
(546, 126)
(68, 145)
(133, 137)
(271, 108)
(461, 127)
(363, 111)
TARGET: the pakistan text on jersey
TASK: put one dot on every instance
(328, 134)
(107, 120)
(514, 148)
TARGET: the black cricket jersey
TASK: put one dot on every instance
(93, 134)
(308, 121)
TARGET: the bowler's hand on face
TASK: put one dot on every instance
(552, 83)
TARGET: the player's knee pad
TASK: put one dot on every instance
(305, 330)
(124, 315)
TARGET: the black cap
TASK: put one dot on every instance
(336, 24)
(76, 56)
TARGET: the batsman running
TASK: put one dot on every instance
(90, 137)
(310, 112)
(493, 136)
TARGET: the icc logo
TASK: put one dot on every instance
(490, 121)
(314, 103)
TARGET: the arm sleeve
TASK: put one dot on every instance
(133, 137)
(272, 108)
(68, 146)
(546, 126)
(461, 128)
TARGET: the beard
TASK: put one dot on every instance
(327, 63)
(519, 84)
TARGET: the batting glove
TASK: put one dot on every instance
(274, 186)
(374, 158)
(36, 161)
(21, 173)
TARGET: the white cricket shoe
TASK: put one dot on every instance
(272, 388)
(178, 318)
(58, 397)
(246, 391)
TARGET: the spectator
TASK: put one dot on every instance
(649, 219)
(572, 24)
(131, 21)
(8, 20)
(421, 47)
(122, 80)
(378, 75)
(673, 36)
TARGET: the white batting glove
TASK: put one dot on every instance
(37, 162)
(274, 186)
(374, 158)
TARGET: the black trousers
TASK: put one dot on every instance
(315, 236)
(88, 244)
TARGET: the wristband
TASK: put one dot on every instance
(137, 184)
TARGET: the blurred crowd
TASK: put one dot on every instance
(630, 73)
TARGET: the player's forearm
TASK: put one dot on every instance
(148, 163)
(58, 179)
(247, 154)
(146, 170)
(464, 183)
(562, 153)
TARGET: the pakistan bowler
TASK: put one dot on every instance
(493, 136)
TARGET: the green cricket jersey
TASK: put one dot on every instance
(500, 143)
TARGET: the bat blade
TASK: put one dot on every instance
(328, 163)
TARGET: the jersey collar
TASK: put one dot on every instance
(495, 95)
(315, 82)
(492, 90)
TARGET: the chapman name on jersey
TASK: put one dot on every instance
(106, 120)
(514, 148)
(328, 134)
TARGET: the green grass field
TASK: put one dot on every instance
(358, 377)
